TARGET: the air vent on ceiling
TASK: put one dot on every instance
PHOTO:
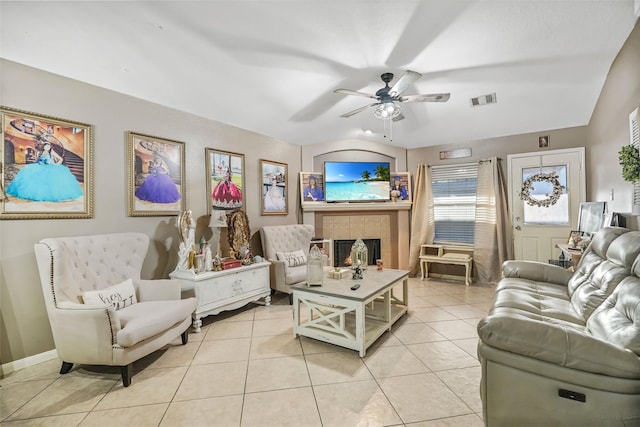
(484, 100)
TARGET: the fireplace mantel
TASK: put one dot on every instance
(342, 207)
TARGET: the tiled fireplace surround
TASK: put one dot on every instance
(368, 224)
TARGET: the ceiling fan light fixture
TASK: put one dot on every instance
(387, 110)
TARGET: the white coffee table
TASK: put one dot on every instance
(335, 314)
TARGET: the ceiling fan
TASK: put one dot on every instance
(389, 98)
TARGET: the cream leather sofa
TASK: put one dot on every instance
(98, 333)
(285, 239)
(562, 349)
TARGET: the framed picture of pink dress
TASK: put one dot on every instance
(273, 186)
(225, 180)
(156, 176)
(46, 167)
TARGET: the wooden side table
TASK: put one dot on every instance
(573, 254)
(218, 291)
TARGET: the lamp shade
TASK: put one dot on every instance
(387, 110)
(218, 219)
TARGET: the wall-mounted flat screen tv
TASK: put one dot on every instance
(356, 181)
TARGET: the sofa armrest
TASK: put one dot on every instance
(158, 290)
(277, 272)
(536, 271)
(84, 333)
(559, 345)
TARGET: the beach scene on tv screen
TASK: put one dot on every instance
(356, 181)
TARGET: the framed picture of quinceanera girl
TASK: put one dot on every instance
(156, 176)
(46, 168)
(225, 180)
(273, 185)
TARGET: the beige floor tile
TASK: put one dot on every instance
(246, 313)
(359, 403)
(274, 312)
(442, 355)
(197, 336)
(292, 407)
(274, 346)
(386, 340)
(312, 346)
(470, 345)
(277, 373)
(68, 394)
(139, 416)
(422, 397)
(226, 330)
(455, 329)
(444, 300)
(278, 326)
(217, 351)
(465, 383)
(465, 311)
(13, 396)
(213, 380)
(461, 421)
(416, 301)
(49, 369)
(213, 412)
(180, 355)
(67, 420)
(432, 314)
(147, 387)
(393, 361)
(338, 367)
(413, 333)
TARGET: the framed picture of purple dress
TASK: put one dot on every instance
(46, 168)
(156, 173)
(225, 180)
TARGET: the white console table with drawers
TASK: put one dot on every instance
(218, 291)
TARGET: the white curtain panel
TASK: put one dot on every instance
(422, 217)
(493, 242)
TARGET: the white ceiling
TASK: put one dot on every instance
(271, 66)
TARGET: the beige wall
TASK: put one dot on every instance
(24, 327)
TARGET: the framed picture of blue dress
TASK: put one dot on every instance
(46, 168)
(156, 176)
(273, 187)
(225, 180)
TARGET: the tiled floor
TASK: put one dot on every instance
(246, 369)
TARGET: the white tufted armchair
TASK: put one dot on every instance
(97, 333)
(286, 239)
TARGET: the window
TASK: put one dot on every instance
(557, 214)
(454, 199)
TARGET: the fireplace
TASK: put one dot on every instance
(342, 251)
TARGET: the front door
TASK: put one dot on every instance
(545, 191)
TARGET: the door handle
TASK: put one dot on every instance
(517, 227)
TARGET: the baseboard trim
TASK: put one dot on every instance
(16, 365)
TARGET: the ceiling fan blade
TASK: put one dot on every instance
(432, 97)
(354, 92)
(357, 110)
(403, 82)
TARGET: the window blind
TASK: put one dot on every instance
(634, 131)
(454, 199)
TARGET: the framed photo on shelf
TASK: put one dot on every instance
(46, 167)
(225, 180)
(575, 237)
(156, 176)
(400, 182)
(273, 187)
(311, 187)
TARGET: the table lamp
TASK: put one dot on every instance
(218, 221)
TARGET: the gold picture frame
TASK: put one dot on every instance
(156, 176)
(273, 188)
(225, 180)
(54, 153)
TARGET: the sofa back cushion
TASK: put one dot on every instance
(70, 266)
(607, 261)
(617, 320)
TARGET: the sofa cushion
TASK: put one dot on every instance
(120, 295)
(617, 320)
(141, 321)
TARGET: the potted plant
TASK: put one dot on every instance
(629, 157)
